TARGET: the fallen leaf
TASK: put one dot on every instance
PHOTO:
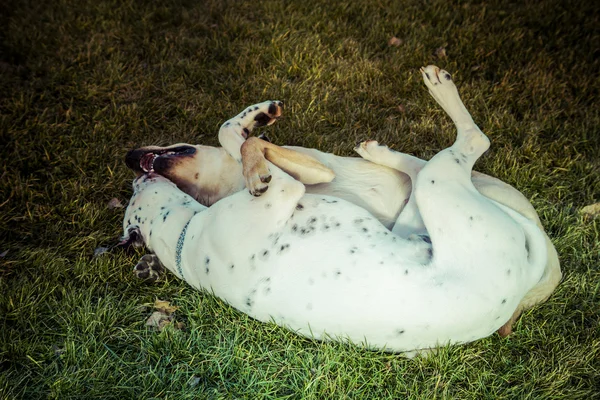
(158, 320)
(440, 52)
(401, 108)
(591, 211)
(164, 306)
(114, 203)
(475, 68)
(100, 250)
(58, 351)
(394, 41)
(194, 381)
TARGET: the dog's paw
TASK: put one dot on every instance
(441, 86)
(257, 178)
(269, 111)
(371, 150)
(149, 268)
(261, 114)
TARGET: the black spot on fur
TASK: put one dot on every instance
(272, 109)
(365, 230)
(166, 215)
(268, 205)
(207, 260)
(399, 332)
(338, 273)
(353, 250)
(432, 181)
(508, 271)
(283, 247)
(358, 221)
(249, 302)
(503, 301)
(232, 266)
(457, 160)
(262, 119)
(299, 207)
(405, 272)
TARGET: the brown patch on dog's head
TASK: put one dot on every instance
(205, 173)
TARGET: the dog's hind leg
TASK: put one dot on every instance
(409, 221)
(442, 89)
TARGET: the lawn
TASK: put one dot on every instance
(81, 82)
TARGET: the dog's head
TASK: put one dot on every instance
(206, 173)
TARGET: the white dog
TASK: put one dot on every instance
(326, 268)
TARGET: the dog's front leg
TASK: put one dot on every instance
(149, 267)
(235, 131)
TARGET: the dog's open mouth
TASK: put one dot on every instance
(144, 159)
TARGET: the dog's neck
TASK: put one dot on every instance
(161, 211)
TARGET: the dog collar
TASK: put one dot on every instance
(179, 248)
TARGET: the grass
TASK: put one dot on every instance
(83, 81)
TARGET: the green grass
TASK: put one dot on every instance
(83, 81)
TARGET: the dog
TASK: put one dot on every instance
(209, 174)
(325, 267)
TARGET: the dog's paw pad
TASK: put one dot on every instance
(268, 116)
(265, 178)
(437, 80)
(148, 268)
(258, 189)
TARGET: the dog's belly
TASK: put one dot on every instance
(326, 274)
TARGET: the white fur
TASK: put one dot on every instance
(326, 268)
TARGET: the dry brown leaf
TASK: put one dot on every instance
(394, 41)
(401, 108)
(440, 52)
(591, 211)
(114, 203)
(158, 320)
(164, 306)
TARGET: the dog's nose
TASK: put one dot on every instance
(132, 160)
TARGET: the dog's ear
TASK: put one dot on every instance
(133, 238)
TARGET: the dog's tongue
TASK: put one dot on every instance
(147, 162)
